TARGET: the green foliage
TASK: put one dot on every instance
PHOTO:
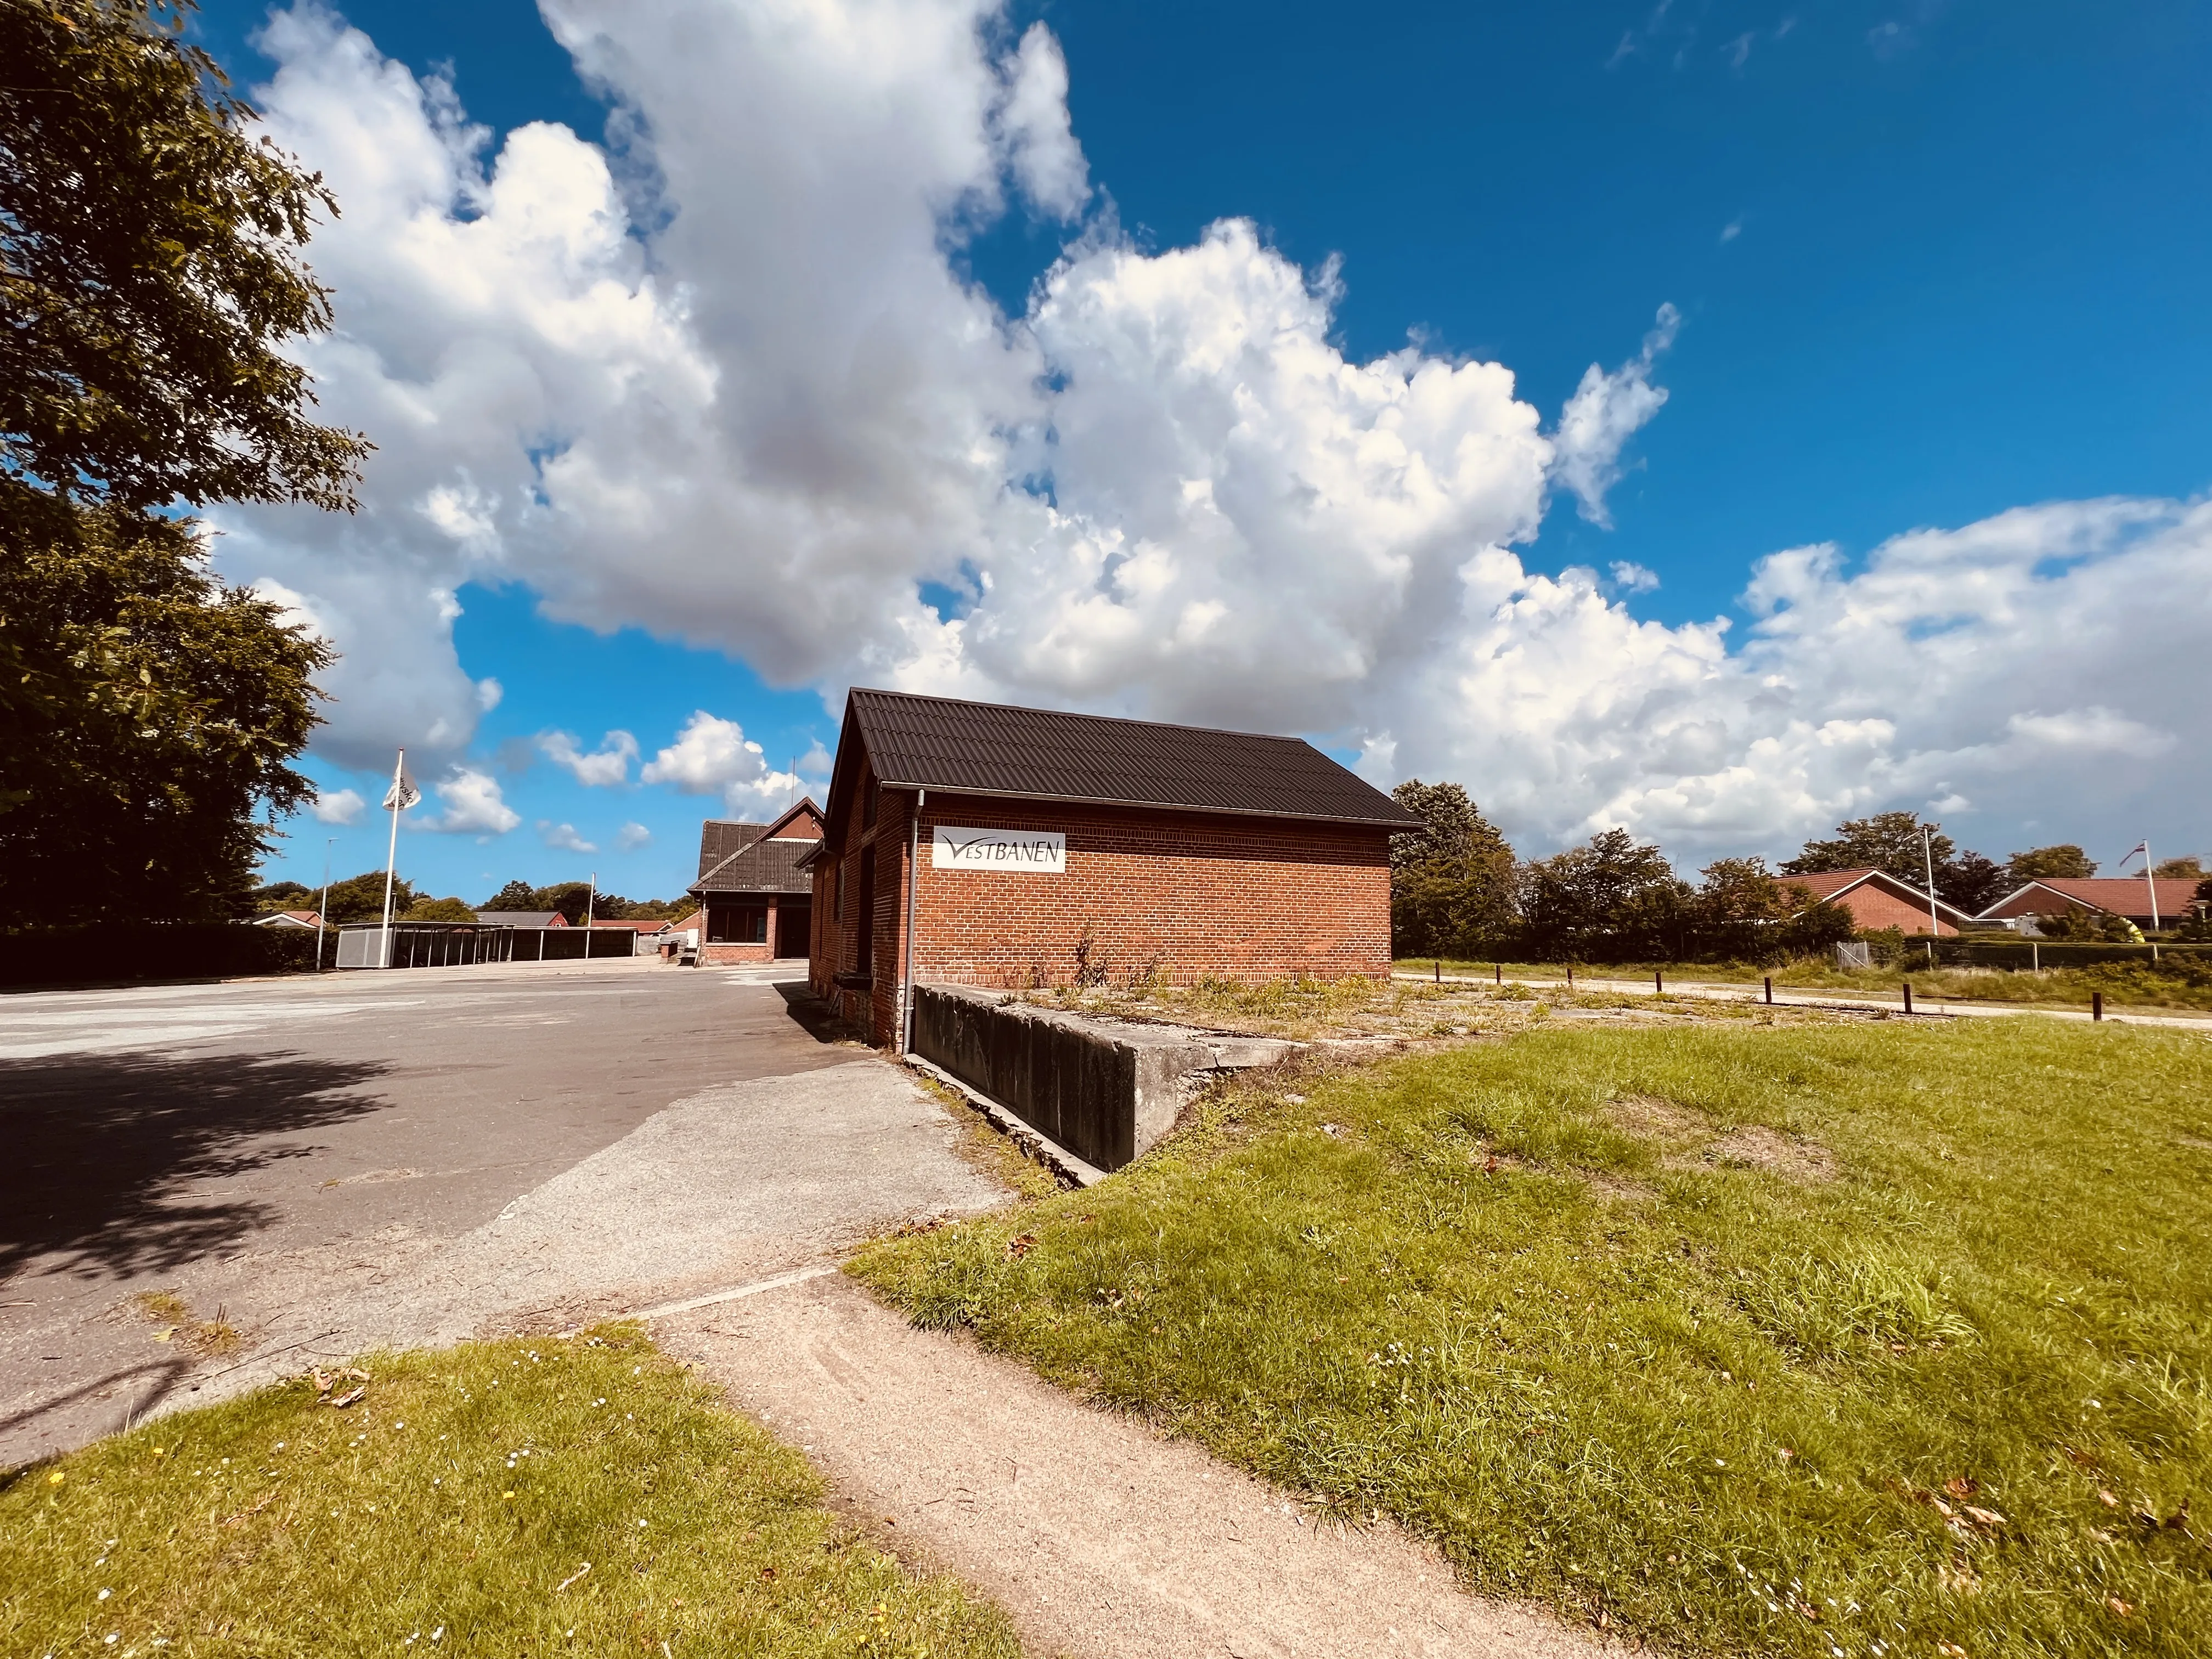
(2185, 869)
(360, 898)
(1608, 900)
(440, 909)
(2066, 861)
(452, 1510)
(568, 898)
(1973, 882)
(150, 279)
(165, 708)
(276, 896)
(1452, 886)
(1888, 841)
(1585, 1308)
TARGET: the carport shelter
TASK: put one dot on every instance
(754, 895)
(981, 844)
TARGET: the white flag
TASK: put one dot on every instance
(403, 793)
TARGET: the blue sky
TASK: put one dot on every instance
(1933, 262)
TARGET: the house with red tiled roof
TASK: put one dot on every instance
(1877, 900)
(2098, 896)
(307, 919)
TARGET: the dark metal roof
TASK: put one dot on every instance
(767, 866)
(1036, 754)
(720, 837)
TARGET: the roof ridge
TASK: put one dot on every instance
(1077, 715)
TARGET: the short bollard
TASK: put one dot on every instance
(2096, 1005)
(1501, 972)
(1440, 970)
(1658, 983)
(1908, 996)
(1570, 976)
(1770, 987)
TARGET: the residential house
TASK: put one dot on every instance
(756, 901)
(1877, 900)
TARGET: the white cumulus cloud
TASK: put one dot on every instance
(473, 805)
(1606, 411)
(727, 384)
(631, 836)
(339, 806)
(562, 837)
(605, 767)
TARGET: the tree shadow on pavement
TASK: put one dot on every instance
(102, 1150)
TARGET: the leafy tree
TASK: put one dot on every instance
(150, 284)
(2187, 869)
(281, 896)
(135, 783)
(1973, 882)
(1888, 841)
(1744, 911)
(2065, 861)
(150, 276)
(439, 909)
(1611, 900)
(360, 898)
(515, 895)
(1452, 887)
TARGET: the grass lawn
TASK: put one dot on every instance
(1857, 1338)
(451, 1509)
(2181, 982)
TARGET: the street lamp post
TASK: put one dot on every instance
(1928, 858)
(323, 903)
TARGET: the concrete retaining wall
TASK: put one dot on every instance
(1105, 1090)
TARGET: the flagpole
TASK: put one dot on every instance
(391, 859)
(2150, 882)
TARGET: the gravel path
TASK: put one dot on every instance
(1102, 1539)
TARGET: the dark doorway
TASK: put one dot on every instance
(793, 935)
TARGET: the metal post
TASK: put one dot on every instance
(1928, 857)
(1908, 996)
(1440, 970)
(323, 903)
(590, 901)
(2096, 1005)
(391, 859)
(1501, 972)
(1770, 987)
(1658, 982)
(913, 887)
(1570, 976)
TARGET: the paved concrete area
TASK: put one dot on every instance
(332, 1163)
(1102, 1539)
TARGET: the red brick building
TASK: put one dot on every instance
(755, 900)
(1877, 899)
(2132, 896)
(977, 844)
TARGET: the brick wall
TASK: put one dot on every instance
(1873, 907)
(1179, 894)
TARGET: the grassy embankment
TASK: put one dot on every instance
(2181, 981)
(453, 1509)
(1858, 1340)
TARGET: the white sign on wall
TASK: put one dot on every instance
(1029, 852)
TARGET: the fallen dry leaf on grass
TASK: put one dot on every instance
(344, 1399)
(1960, 1485)
(2123, 1608)
(1021, 1245)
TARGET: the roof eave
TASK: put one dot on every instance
(1396, 826)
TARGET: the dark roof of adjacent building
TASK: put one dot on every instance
(720, 837)
(763, 860)
(1038, 754)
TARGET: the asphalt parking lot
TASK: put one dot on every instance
(334, 1163)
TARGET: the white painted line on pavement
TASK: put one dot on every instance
(776, 1283)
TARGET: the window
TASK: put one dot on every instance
(737, 924)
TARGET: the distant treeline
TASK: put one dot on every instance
(360, 898)
(1458, 890)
